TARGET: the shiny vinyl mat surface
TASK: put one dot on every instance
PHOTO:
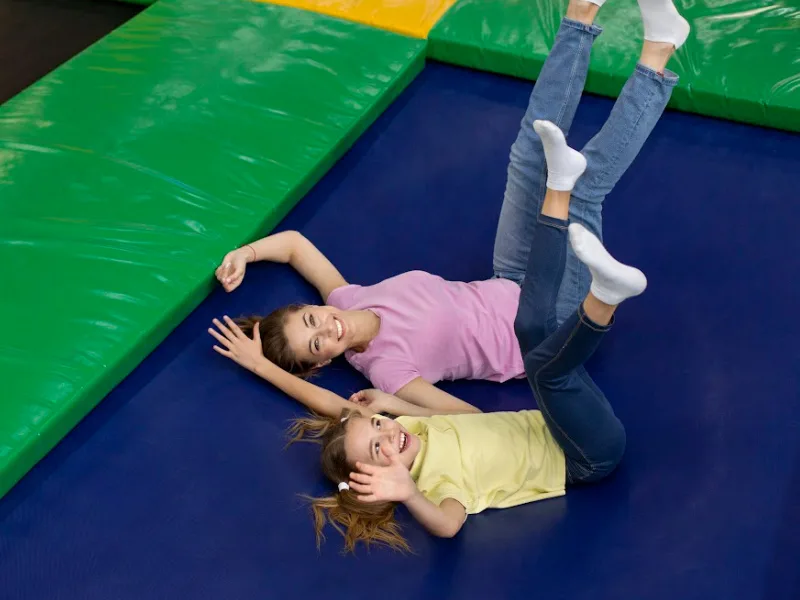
(178, 485)
(740, 61)
(125, 173)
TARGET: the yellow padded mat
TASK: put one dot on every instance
(408, 17)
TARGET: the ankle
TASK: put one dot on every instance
(582, 11)
(656, 55)
(556, 204)
(598, 311)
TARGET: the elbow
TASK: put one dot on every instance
(295, 236)
(450, 530)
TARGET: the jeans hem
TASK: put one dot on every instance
(594, 30)
(585, 320)
(553, 222)
(668, 78)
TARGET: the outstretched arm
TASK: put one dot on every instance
(381, 402)
(245, 351)
(290, 247)
(426, 395)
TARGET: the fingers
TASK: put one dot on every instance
(230, 330)
(257, 333)
(358, 398)
(369, 498)
(234, 328)
(360, 488)
(368, 469)
(221, 339)
(232, 283)
(361, 478)
(235, 275)
(226, 353)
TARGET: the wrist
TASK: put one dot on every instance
(248, 252)
(414, 497)
(260, 365)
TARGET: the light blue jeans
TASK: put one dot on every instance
(608, 154)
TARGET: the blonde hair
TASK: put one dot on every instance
(357, 521)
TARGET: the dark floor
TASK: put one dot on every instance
(36, 36)
(178, 485)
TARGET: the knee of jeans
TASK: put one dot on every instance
(529, 332)
(613, 452)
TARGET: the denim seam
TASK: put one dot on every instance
(544, 405)
(634, 125)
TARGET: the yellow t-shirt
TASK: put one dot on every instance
(486, 460)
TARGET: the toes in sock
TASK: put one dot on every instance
(663, 23)
(612, 282)
(564, 165)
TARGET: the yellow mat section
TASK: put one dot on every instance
(408, 17)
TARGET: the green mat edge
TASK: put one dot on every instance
(61, 423)
(492, 60)
(685, 98)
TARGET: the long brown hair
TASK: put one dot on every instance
(357, 521)
(274, 343)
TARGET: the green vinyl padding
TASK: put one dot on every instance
(741, 61)
(128, 173)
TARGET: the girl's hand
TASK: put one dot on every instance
(231, 272)
(383, 484)
(237, 346)
(376, 400)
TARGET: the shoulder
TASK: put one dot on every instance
(343, 296)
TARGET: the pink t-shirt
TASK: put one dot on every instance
(436, 329)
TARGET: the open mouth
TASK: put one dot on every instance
(404, 439)
(339, 329)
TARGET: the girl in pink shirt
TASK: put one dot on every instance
(410, 331)
(404, 334)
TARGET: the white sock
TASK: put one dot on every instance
(612, 282)
(564, 165)
(598, 2)
(663, 23)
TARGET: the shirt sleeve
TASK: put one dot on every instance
(343, 297)
(390, 375)
(445, 489)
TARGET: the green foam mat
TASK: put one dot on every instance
(741, 61)
(128, 173)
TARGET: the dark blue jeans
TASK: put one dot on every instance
(576, 411)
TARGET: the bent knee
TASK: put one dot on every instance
(530, 333)
(604, 462)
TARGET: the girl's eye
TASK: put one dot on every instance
(377, 449)
(316, 344)
(378, 423)
(312, 321)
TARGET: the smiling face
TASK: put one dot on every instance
(317, 334)
(367, 439)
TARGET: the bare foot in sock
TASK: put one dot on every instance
(564, 165)
(612, 282)
(663, 23)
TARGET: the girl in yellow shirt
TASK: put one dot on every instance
(443, 467)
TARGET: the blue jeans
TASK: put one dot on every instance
(577, 413)
(555, 98)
